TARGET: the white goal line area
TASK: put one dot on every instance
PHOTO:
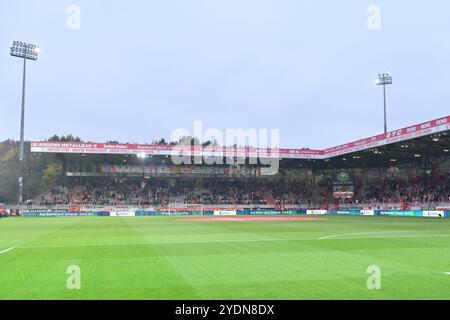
(376, 235)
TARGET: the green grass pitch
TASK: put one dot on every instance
(165, 258)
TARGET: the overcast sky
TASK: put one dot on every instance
(138, 70)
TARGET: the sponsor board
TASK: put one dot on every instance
(49, 214)
(89, 214)
(434, 214)
(150, 213)
(122, 214)
(395, 213)
(367, 212)
(258, 212)
(153, 213)
(225, 213)
(317, 212)
(293, 212)
(348, 212)
(44, 210)
(177, 213)
(408, 133)
(399, 213)
(269, 212)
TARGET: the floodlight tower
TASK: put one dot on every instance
(384, 79)
(25, 51)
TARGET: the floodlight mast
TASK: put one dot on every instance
(384, 79)
(25, 51)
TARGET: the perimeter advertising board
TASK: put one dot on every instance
(225, 213)
(434, 214)
(399, 213)
(317, 212)
(122, 213)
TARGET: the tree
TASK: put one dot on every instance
(160, 142)
(68, 138)
(8, 173)
(188, 140)
(54, 138)
(34, 168)
(210, 143)
(51, 175)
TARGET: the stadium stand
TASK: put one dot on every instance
(420, 191)
(405, 169)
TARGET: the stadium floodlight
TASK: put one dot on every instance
(25, 51)
(384, 79)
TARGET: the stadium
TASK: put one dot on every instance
(294, 192)
(311, 230)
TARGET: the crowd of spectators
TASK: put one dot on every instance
(161, 192)
(425, 189)
(422, 189)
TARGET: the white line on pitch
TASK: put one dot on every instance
(5, 251)
(227, 241)
(391, 237)
(349, 235)
(164, 242)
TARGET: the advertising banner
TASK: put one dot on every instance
(49, 214)
(349, 212)
(89, 214)
(399, 213)
(316, 212)
(225, 213)
(367, 212)
(122, 213)
(177, 213)
(228, 171)
(434, 214)
(147, 213)
(258, 212)
(420, 130)
(47, 210)
(293, 212)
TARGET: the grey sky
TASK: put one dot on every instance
(138, 70)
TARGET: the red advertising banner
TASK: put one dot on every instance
(420, 130)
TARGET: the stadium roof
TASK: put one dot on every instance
(392, 142)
